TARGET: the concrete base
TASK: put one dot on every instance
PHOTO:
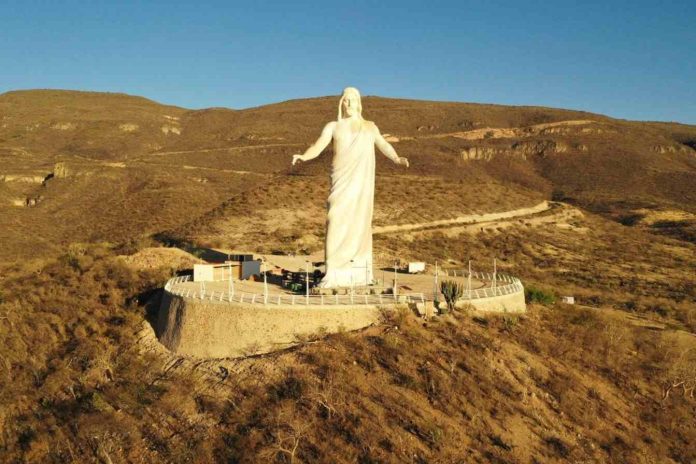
(209, 329)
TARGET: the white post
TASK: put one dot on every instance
(395, 283)
(367, 277)
(495, 272)
(468, 284)
(352, 283)
(435, 292)
(307, 281)
(232, 284)
(265, 283)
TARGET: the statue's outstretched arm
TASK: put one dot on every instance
(318, 146)
(387, 150)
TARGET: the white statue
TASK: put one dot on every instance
(351, 200)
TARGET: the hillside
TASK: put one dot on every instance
(139, 167)
(84, 380)
(95, 187)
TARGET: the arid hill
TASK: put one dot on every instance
(80, 166)
(93, 185)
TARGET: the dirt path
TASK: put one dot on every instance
(242, 147)
(14, 150)
(464, 220)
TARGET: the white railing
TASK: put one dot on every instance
(176, 280)
(279, 299)
(510, 285)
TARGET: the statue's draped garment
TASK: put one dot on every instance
(350, 207)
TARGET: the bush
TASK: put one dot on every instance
(537, 295)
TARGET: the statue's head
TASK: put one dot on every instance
(350, 104)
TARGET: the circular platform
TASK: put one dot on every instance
(239, 318)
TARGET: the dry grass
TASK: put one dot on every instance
(558, 384)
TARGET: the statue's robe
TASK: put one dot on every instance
(350, 207)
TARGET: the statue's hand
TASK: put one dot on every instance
(296, 158)
(403, 161)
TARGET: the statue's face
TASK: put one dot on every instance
(351, 104)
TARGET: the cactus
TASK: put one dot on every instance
(452, 291)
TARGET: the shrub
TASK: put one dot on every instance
(537, 295)
(452, 291)
(292, 387)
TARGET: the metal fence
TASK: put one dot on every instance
(510, 285)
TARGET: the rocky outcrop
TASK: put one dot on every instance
(521, 149)
(29, 201)
(167, 129)
(34, 201)
(128, 127)
(30, 179)
(579, 127)
(481, 153)
(172, 126)
(60, 171)
(539, 147)
(662, 149)
(64, 126)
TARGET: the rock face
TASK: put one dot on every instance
(167, 129)
(64, 126)
(22, 178)
(33, 201)
(672, 149)
(522, 149)
(60, 171)
(128, 127)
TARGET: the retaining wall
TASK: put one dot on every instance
(210, 329)
(215, 328)
(512, 303)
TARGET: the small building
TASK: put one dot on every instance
(238, 270)
(568, 300)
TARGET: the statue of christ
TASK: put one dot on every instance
(348, 245)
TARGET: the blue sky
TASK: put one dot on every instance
(634, 60)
